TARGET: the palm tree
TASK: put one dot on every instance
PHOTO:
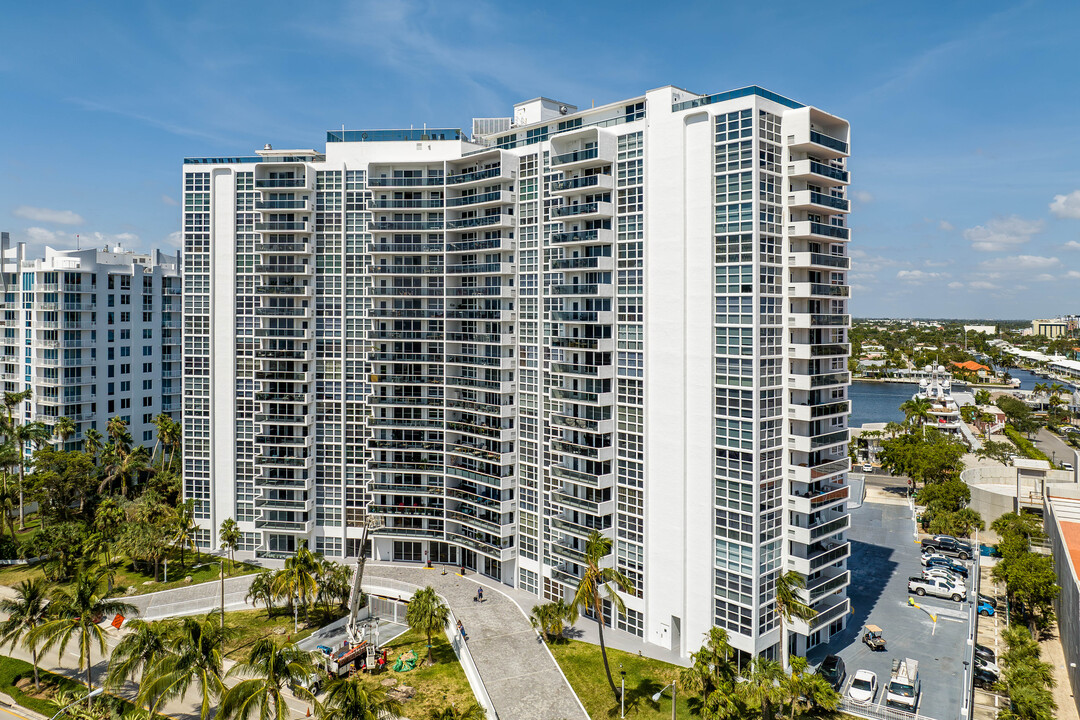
(807, 687)
(9, 457)
(350, 699)
(26, 611)
(917, 410)
(137, 652)
(595, 583)
(171, 434)
(334, 581)
(789, 604)
(79, 609)
(297, 580)
(471, 712)
(122, 463)
(119, 435)
(893, 429)
(428, 614)
(12, 399)
(982, 397)
(184, 529)
(194, 657)
(261, 589)
(762, 684)
(269, 670)
(23, 435)
(159, 423)
(93, 443)
(1041, 389)
(229, 534)
(712, 674)
(551, 618)
(63, 429)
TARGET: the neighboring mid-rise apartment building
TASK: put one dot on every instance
(94, 334)
(631, 319)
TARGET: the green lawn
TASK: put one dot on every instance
(12, 670)
(252, 625)
(436, 686)
(584, 668)
(127, 576)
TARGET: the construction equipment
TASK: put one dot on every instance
(352, 628)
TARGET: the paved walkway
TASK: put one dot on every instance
(520, 674)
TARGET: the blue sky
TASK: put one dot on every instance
(964, 115)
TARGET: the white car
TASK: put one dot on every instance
(927, 556)
(944, 574)
(984, 664)
(863, 688)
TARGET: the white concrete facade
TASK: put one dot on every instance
(95, 334)
(630, 319)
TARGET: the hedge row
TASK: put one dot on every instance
(1025, 446)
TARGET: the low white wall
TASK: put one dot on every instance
(993, 489)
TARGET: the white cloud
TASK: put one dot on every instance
(937, 263)
(45, 215)
(1002, 233)
(918, 277)
(956, 285)
(50, 237)
(1073, 274)
(1072, 245)
(946, 226)
(1066, 206)
(1020, 262)
(169, 200)
(982, 285)
(863, 197)
(175, 239)
(1045, 277)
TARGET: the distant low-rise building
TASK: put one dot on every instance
(984, 329)
(1058, 327)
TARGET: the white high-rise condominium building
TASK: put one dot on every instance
(95, 334)
(630, 319)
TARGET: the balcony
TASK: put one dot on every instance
(817, 173)
(571, 186)
(496, 197)
(603, 289)
(275, 183)
(284, 311)
(587, 317)
(493, 243)
(810, 443)
(808, 535)
(284, 269)
(597, 235)
(285, 290)
(813, 381)
(307, 463)
(307, 505)
(405, 225)
(299, 526)
(393, 204)
(830, 495)
(583, 210)
(819, 588)
(818, 144)
(810, 351)
(818, 260)
(493, 220)
(282, 226)
(604, 371)
(583, 263)
(816, 290)
(814, 201)
(811, 559)
(806, 413)
(279, 397)
(804, 320)
(578, 158)
(404, 181)
(810, 230)
(833, 609)
(476, 269)
(465, 178)
(301, 205)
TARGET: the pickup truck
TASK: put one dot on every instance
(936, 587)
(948, 545)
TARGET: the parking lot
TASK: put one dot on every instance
(883, 556)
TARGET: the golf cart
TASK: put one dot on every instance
(873, 638)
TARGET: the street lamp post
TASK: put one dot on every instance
(656, 697)
(92, 694)
(622, 694)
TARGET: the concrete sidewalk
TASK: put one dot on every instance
(519, 672)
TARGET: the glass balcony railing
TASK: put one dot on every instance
(828, 200)
(828, 141)
(575, 183)
(828, 171)
(573, 157)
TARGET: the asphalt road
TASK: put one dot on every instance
(1055, 448)
(884, 555)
